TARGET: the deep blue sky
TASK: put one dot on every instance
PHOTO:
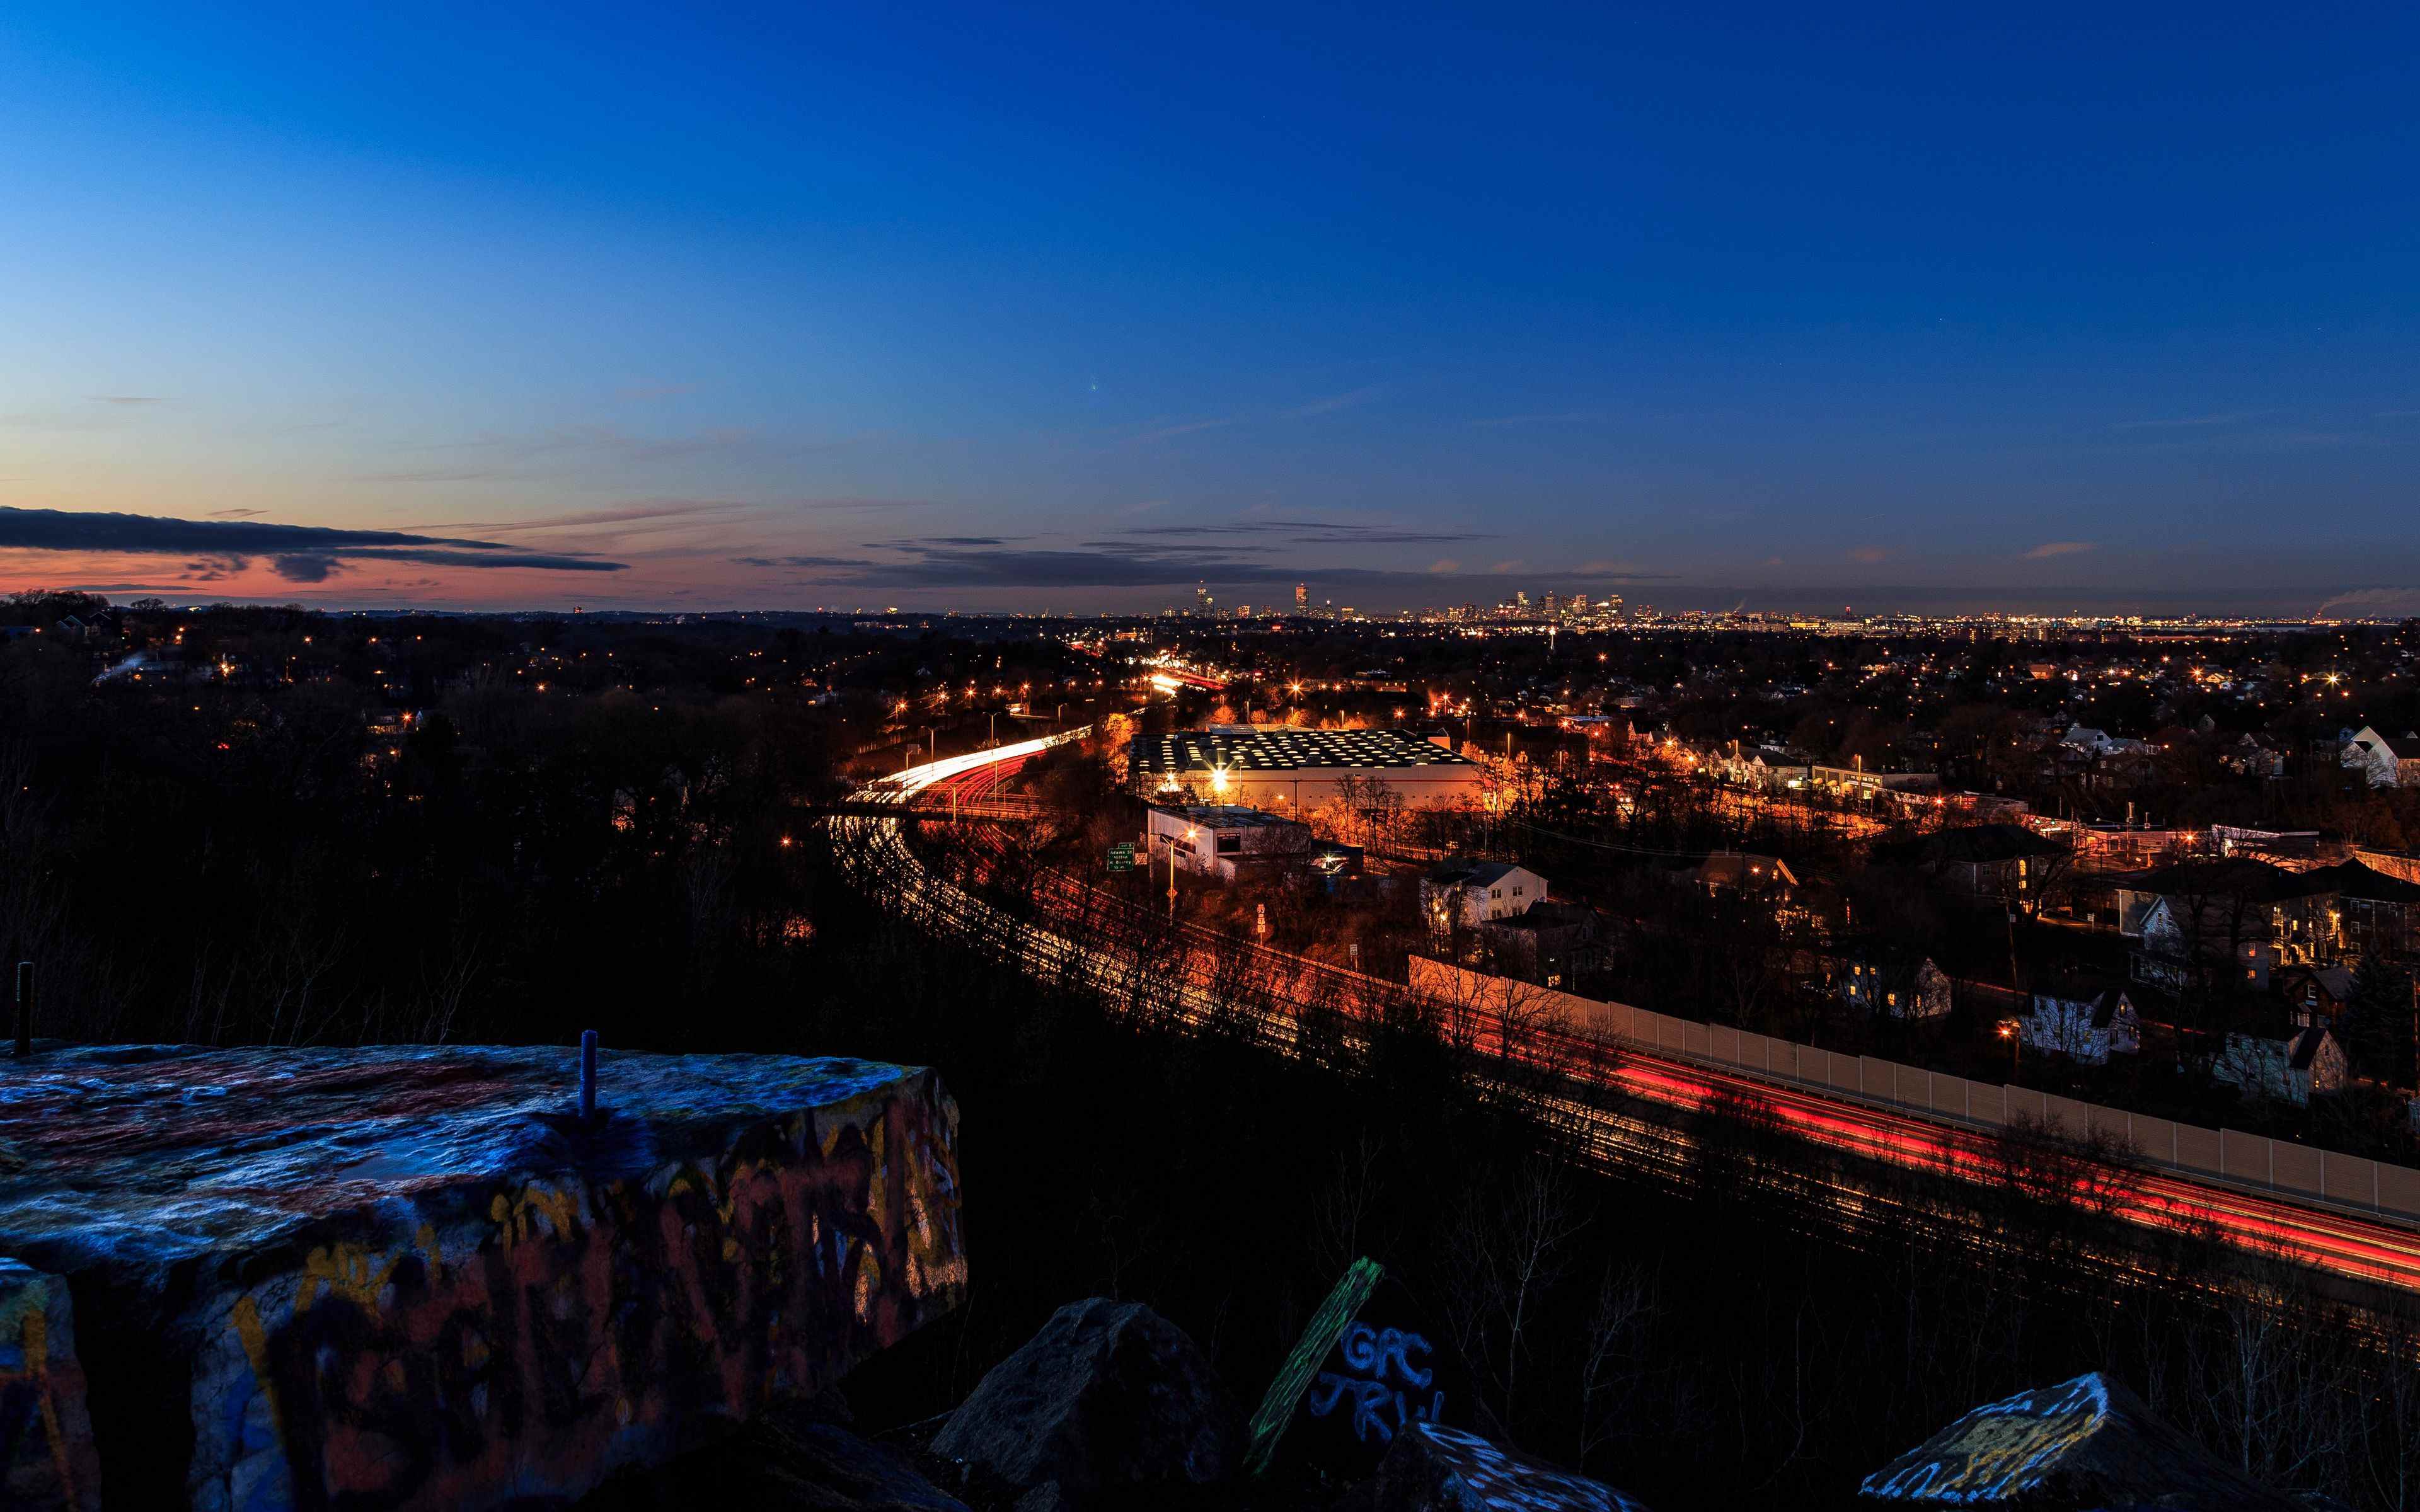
(2051, 307)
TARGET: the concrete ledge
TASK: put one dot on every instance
(411, 1277)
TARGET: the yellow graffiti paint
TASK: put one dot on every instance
(346, 1271)
(245, 1316)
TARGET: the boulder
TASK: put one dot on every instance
(47, 1459)
(1108, 1398)
(2084, 1443)
(1432, 1467)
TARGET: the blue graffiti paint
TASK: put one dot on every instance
(1379, 1407)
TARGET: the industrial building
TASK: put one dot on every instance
(1280, 766)
(1225, 840)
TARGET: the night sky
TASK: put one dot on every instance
(1895, 307)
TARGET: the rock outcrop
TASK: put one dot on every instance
(1432, 1467)
(414, 1278)
(1109, 1401)
(2084, 1443)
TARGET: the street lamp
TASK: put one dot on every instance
(2016, 1045)
(1171, 875)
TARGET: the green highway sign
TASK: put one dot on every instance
(1121, 855)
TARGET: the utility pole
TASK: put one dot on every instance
(1171, 881)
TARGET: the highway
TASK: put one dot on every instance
(1115, 946)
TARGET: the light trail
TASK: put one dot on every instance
(2332, 1241)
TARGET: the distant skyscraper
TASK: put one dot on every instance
(1302, 598)
(1202, 597)
(1552, 603)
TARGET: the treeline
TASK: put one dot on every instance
(229, 860)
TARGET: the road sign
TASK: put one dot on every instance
(1121, 855)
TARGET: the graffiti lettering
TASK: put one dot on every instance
(1374, 1403)
(1371, 1354)
(1375, 1350)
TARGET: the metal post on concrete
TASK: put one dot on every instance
(24, 1007)
(587, 1074)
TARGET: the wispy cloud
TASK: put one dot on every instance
(217, 543)
(804, 561)
(128, 398)
(1869, 554)
(1351, 398)
(1312, 532)
(2057, 549)
(1187, 427)
(645, 511)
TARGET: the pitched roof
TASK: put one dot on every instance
(2306, 1047)
(2348, 879)
(1470, 873)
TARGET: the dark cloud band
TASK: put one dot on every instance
(310, 549)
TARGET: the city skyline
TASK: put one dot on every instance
(2098, 314)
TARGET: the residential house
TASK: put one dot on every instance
(2256, 755)
(2389, 761)
(2314, 995)
(1890, 984)
(1549, 943)
(2081, 1025)
(1468, 894)
(2348, 913)
(2283, 1071)
(2206, 940)
(2003, 863)
(1739, 872)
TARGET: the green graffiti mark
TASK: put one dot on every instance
(1293, 1378)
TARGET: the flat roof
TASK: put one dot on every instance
(1224, 816)
(1283, 749)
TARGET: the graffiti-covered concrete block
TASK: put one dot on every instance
(47, 1459)
(411, 1277)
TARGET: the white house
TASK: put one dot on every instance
(2390, 761)
(2090, 1028)
(1221, 840)
(2284, 1070)
(1469, 893)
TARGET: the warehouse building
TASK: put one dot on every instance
(1282, 767)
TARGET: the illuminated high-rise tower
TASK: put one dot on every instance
(1302, 598)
